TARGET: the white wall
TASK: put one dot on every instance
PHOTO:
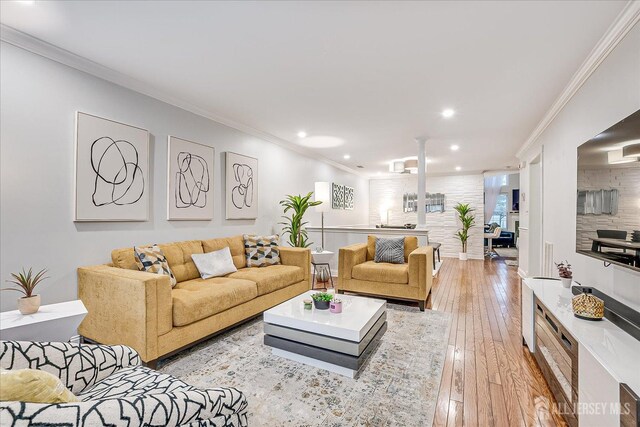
(39, 100)
(388, 193)
(609, 95)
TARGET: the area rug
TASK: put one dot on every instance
(507, 252)
(397, 386)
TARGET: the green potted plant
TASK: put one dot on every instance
(26, 283)
(468, 220)
(321, 300)
(294, 226)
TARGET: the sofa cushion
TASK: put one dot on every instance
(197, 299)
(410, 245)
(271, 278)
(381, 272)
(178, 256)
(261, 251)
(235, 244)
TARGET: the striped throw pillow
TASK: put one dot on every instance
(390, 250)
(261, 251)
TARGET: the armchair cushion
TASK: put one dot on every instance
(381, 272)
(390, 250)
(78, 366)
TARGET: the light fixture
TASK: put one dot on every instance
(346, 157)
(411, 165)
(455, 147)
(26, 2)
(378, 173)
(323, 194)
(458, 168)
(302, 134)
(615, 157)
(632, 150)
(447, 113)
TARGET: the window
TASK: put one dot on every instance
(500, 213)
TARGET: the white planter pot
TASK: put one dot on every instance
(566, 282)
(462, 256)
(29, 305)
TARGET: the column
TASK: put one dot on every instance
(422, 182)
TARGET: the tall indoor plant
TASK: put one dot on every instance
(294, 226)
(468, 220)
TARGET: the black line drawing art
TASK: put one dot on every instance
(119, 179)
(192, 181)
(242, 192)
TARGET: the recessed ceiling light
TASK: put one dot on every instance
(302, 134)
(347, 157)
(447, 113)
(455, 147)
(378, 173)
(458, 168)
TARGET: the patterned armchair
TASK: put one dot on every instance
(114, 389)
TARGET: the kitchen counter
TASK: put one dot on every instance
(613, 348)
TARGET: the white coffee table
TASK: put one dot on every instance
(339, 343)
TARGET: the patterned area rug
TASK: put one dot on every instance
(398, 385)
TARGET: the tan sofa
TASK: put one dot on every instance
(411, 281)
(141, 310)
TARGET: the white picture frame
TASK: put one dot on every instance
(111, 173)
(190, 183)
(241, 186)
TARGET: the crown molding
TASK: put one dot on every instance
(39, 47)
(623, 23)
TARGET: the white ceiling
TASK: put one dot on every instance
(372, 74)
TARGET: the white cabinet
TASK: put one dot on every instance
(527, 315)
(598, 393)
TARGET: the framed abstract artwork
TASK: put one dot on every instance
(189, 180)
(349, 194)
(241, 186)
(337, 196)
(111, 170)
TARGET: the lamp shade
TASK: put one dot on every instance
(323, 194)
(632, 150)
(411, 165)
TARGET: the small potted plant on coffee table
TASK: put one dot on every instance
(565, 273)
(321, 300)
(26, 283)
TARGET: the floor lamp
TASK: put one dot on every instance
(323, 194)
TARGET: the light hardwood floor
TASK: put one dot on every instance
(489, 378)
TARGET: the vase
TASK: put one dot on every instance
(321, 305)
(323, 275)
(566, 282)
(462, 256)
(29, 305)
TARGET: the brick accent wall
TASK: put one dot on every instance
(387, 193)
(627, 181)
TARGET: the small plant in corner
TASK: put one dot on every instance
(26, 283)
(565, 273)
(294, 226)
(468, 220)
(321, 300)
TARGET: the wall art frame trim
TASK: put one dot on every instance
(123, 180)
(190, 180)
(241, 186)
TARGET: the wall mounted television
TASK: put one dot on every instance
(608, 196)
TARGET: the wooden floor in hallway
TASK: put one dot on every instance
(489, 378)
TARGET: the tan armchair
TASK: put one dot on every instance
(411, 281)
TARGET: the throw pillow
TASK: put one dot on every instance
(32, 385)
(152, 259)
(214, 264)
(390, 250)
(261, 250)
